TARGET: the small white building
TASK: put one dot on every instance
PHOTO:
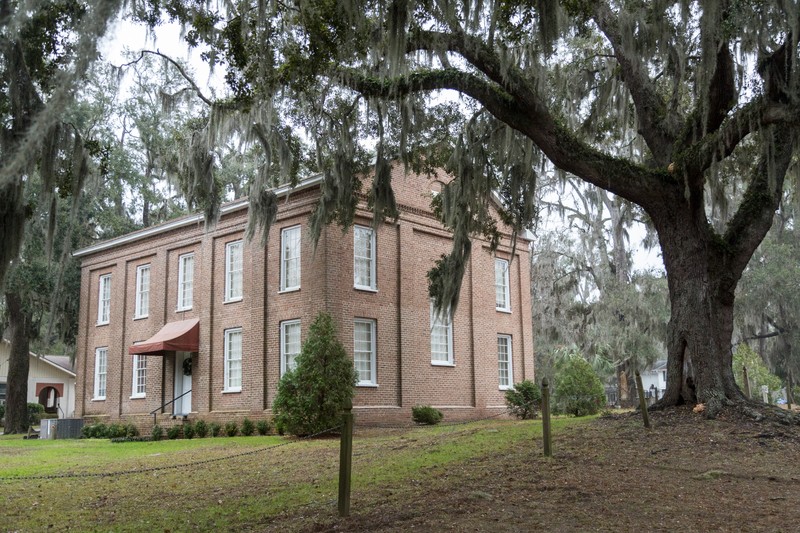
(654, 380)
(51, 381)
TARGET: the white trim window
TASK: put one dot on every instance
(441, 338)
(185, 281)
(233, 360)
(290, 345)
(104, 300)
(233, 271)
(501, 285)
(290, 259)
(364, 351)
(142, 308)
(504, 362)
(100, 372)
(139, 376)
(364, 258)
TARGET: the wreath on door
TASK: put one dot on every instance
(187, 366)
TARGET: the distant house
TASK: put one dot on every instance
(51, 381)
(654, 380)
(186, 321)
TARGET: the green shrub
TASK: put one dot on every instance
(95, 431)
(131, 430)
(578, 390)
(262, 426)
(231, 428)
(35, 411)
(248, 428)
(157, 433)
(188, 430)
(311, 397)
(524, 399)
(279, 428)
(425, 414)
(174, 432)
(116, 431)
(2, 411)
(214, 429)
(201, 429)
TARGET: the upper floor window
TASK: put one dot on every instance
(364, 351)
(185, 281)
(502, 291)
(364, 258)
(290, 345)
(142, 305)
(139, 376)
(104, 300)
(441, 337)
(233, 271)
(233, 360)
(290, 258)
(505, 369)
(100, 371)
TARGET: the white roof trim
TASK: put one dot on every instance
(59, 367)
(186, 221)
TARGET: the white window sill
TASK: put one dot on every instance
(505, 387)
(99, 399)
(141, 317)
(232, 391)
(182, 309)
(442, 363)
(368, 385)
(291, 289)
(365, 289)
(503, 310)
(232, 300)
(138, 397)
(103, 323)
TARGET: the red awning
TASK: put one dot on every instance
(182, 336)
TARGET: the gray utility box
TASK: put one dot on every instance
(61, 428)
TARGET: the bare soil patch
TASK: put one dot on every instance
(686, 474)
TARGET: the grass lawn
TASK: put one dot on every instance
(280, 477)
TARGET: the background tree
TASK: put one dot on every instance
(681, 85)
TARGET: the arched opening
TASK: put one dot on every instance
(48, 397)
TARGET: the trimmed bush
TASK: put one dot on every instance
(157, 433)
(311, 397)
(231, 428)
(214, 429)
(116, 431)
(425, 414)
(35, 412)
(578, 390)
(95, 431)
(174, 432)
(201, 429)
(248, 428)
(131, 431)
(188, 430)
(524, 400)
(262, 426)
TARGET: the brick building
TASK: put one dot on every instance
(207, 317)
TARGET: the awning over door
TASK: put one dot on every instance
(182, 336)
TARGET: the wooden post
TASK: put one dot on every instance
(346, 459)
(642, 401)
(547, 436)
(746, 380)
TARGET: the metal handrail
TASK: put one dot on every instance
(155, 411)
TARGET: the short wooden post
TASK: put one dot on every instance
(642, 401)
(746, 381)
(547, 436)
(346, 459)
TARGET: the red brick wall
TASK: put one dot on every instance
(405, 251)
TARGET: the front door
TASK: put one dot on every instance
(183, 383)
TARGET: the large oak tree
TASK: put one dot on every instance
(645, 99)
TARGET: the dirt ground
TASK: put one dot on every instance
(686, 474)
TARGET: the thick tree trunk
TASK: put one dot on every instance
(18, 365)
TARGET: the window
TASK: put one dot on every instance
(100, 370)
(502, 291)
(364, 351)
(290, 259)
(3, 387)
(142, 292)
(233, 360)
(233, 271)
(139, 376)
(441, 338)
(290, 345)
(185, 281)
(504, 361)
(364, 258)
(104, 302)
